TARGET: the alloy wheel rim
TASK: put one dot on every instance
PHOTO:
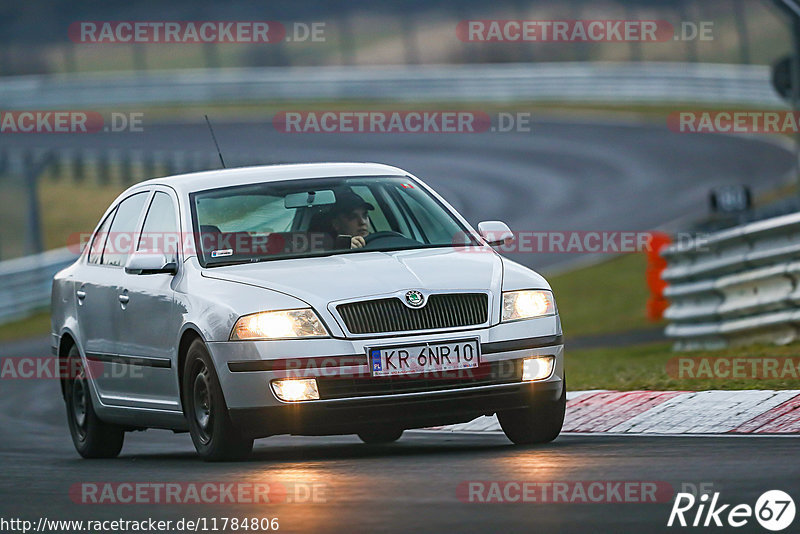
(79, 402)
(201, 396)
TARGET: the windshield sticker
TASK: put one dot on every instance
(221, 253)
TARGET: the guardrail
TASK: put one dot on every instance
(106, 165)
(25, 283)
(737, 286)
(575, 81)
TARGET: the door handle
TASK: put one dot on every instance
(124, 299)
(81, 294)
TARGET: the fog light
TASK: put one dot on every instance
(296, 389)
(537, 368)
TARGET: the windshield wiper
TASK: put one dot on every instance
(232, 262)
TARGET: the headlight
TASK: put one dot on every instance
(527, 304)
(279, 325)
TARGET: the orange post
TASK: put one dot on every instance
(656, 304)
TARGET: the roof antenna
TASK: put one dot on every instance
(214, 137)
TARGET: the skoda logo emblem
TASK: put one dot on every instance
(415, 299)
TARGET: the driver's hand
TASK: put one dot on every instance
(357, 242)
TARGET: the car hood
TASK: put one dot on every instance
(319, 281)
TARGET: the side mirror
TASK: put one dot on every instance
(495, 233)
(143, 262)
(782, 77)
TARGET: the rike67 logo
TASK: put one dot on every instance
(774, 510)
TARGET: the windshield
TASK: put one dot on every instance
(299, 218)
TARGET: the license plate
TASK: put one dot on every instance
(424, 358)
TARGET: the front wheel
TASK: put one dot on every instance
(539, 423)
(213, 433)
(92, 437)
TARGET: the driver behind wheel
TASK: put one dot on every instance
(349, 218)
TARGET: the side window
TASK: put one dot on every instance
(120, 236)
(99, 239)
(431, 227)
(401, 214)
(160, 231)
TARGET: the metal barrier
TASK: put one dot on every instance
(123, 166)
(734, 287)
(574, 81)
(25, 283)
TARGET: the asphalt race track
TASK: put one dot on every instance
(562, 176)
(410, 486)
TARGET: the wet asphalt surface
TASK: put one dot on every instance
(338, 484)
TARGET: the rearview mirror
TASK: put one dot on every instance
(142, 262)
(495, 233)
(308, 199)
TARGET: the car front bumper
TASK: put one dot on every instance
(414, 410)
(246, 369)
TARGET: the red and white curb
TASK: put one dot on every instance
(671, 413)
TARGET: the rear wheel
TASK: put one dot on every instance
(380, 435)
(92, 437)
(213, 433)
(539, 423)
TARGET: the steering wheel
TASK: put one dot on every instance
(382, 235)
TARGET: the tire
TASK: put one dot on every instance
(539, 423)
(378, 435)
(92, 437)
(214, 436)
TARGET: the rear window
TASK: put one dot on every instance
(119, 242)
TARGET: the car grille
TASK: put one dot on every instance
(391, 315)
(495, 373)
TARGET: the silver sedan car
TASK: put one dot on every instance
(313, 299)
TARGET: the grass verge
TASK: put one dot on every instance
(604, 298)
(645, 368)
(36, 325)
(63, 219)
